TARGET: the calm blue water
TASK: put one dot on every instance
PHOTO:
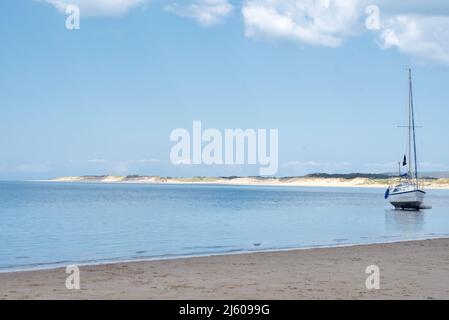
(51, 224)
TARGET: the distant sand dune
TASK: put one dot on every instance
(262, 181)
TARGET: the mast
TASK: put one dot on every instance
(410, 123)
(412, 119)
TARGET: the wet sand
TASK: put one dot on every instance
(408, 270)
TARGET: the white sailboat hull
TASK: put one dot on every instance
(407, 199)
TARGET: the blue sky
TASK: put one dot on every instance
(104, 99)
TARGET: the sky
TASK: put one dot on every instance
(327, 74)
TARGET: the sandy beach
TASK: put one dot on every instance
(409, 270)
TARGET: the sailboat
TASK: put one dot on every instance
(406, 191)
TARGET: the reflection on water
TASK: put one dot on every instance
(404, 221)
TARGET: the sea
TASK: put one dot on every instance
(47, 225)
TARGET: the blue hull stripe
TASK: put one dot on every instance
(393, 194)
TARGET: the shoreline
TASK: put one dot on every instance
(415, 269)
(113, 261)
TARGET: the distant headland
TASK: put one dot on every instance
(311, 180)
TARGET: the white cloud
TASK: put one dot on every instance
(205, 12)
(98, 7)
(148, 161)
(315, 22)
(383, 165)
(300, 164)
(121, 167)
(428, 165)
(414, 27)
(140, 161)
(33, 167)
(96, 161)
(411, 6)
(423, 37)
